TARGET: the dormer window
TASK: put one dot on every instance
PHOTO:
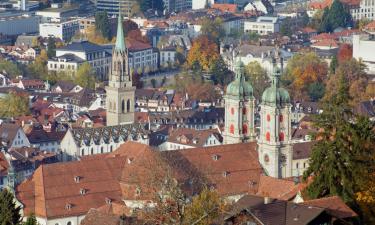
(225, 173)
(82, 191)
(77, 179)
(108, 201)
(215, 157)
(68, 206)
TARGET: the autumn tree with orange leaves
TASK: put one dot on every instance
(203, 53)
(304, 70)
(345, 53)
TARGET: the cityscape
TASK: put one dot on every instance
(187, 112)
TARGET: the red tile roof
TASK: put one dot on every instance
(370, 26)
(322, 36)
(225, 7)
(192, 137)
(231, 169)
(334, 205)
(134, 45)
(277, 188)
(326, 43)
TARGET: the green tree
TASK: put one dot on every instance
(102, 24)
(325, 25)
(31, 220)
(342, 160)
(213, 29)
(9, 212)
(38, 69)
(219, 71)
(51, 47)
(333, 65)
(316, 91)
(286, 27)
(258, 78)
(338, 15)
(85, 76)
(9, 68)
(14, 105)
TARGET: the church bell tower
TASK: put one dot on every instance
(120, 91)
(275, 149)
(239, 109)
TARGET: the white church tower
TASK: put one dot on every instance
(275, 149)
(239, 109)
(120, 90)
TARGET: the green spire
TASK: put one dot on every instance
(120, 40)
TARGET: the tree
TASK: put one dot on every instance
(9, 68)
(85, 76)
(302, 70)
(51, 47)
(9, 212)
(342, 160)
(102, 24)
(333, 65)
(316, 91)
(361, 24)
(14, 105)
(258, 78)
(355, 76)
(204, 208)
(286, 27)
(213, 29)
(31, 220)
(219, 71)
(96, 37)
(334, 17)
(203, 52)
(38, 69)
(345, 53)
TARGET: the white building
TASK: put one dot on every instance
(12, 136)
(184, 138)
(70, 57)
(63, 30)
(57, 13)
(201, 4)
(365, 10)
(80, 142)
(167, 56)
(363, 49)
(263, 25)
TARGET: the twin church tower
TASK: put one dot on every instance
(274, 142)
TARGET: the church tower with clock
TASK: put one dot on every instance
(274, 142)
(239, 109)
(120, 90)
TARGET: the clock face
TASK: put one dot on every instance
(266, 158)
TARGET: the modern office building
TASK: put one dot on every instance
(112, 7)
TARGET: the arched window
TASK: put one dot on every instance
(83, 152)
(101, 149)
(297, 165)
(92, 151)
(128, 105)
(231, 129)
(69, 223)
(281, 136)
(111, 148)
(244, 129)
(268, 136)
(268, 118)
(244, 111)
(123, 106)
(281, 118)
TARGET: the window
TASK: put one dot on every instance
(69, 223)
(111, 148)
(268, 118)
(268, 136)
(232, 111)
(297, 165)
(244, 129)
(101, 149)
(92, 151)
(244, 111)
(83, 152)
(281, 118)
(123, 106)
(128, 105)
(281, 136)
